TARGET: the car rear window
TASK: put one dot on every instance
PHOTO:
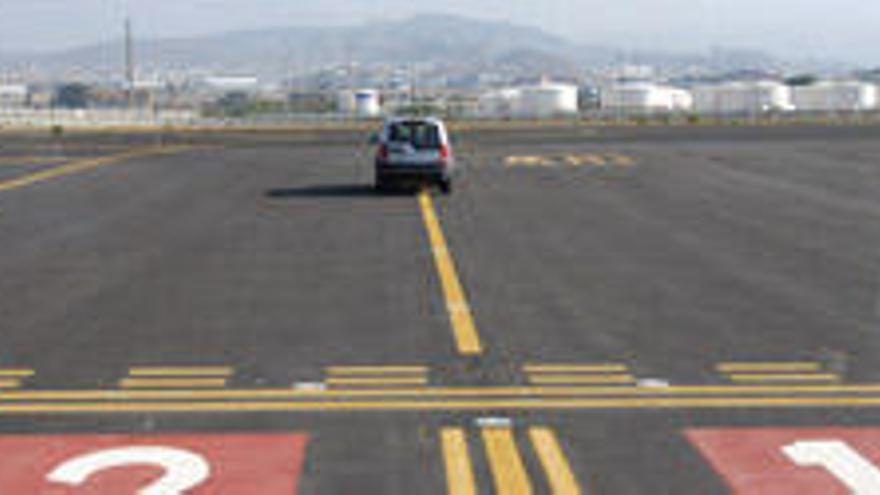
(421, 135)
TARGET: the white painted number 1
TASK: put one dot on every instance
(184, 470)
(838, 458)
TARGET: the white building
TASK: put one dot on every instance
(13, 95)
(645, 97)
(829, 96)
(749, 97)
(232, 83)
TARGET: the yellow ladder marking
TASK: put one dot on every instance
(732, 367)
(457, 460)
(508, 470)
(467, 340)
(172, 382)
(553, 460)
(169, 371)
(576, 368)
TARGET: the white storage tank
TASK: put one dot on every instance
(743, 98)
(645, 97)
(547, 100)
(362, 103)
(829, 96)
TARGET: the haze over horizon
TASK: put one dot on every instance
(802, 29)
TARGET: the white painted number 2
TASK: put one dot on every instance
(184, 470)
(842, 461)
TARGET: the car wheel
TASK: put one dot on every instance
(446, 186)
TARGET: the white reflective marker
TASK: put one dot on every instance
(184, 470)
(859, 475)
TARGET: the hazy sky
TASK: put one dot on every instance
(840, 29)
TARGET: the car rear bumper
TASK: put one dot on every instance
(431, 172)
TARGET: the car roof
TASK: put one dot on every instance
(427, 120)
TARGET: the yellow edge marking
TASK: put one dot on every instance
(438, 392)
(172, 382)
(508, 470)
(732, 367)
(579, 379)
(10, 383)
(82, 165)
(553, 460)
(182, 371)
(576, 368)
(786, 377)
(415, 405)
(467, 341)
(374, 370)
(16, 373)
(457, 460)
(404, 380)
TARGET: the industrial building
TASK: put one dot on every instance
(13, 95)
(543, 100)
(835, 96)
(746, 97)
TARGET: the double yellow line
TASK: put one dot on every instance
(506, 464)
(776, 372)
(177, 377)
(579, 374)
(376, 375)
(467, 340)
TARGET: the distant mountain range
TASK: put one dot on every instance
(440, 39)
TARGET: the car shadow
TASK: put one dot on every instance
(336, 191)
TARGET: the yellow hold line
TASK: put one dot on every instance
(508, 470)
(389, 380)
(748, 367)
(553, 460)
(459, 405)
(467, 340)
(189, 371)
(457, 461)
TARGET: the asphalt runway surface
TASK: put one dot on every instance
(593, 310)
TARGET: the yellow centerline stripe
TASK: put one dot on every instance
(375, 370)
(188, 371)
(403, 380)
(733, 367)
(784, 377)
(435, 392)
(476, 405)
(172, 382)
(82, 165)
(555, 464)
(579, 379)
(576, 368)
(16, 373)
(467, 340)
(457, 461)
(508, 471)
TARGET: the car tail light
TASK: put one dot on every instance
(444, 153)
(382, 152)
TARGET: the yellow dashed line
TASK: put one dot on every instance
(576, 368)
(172, 382)
(784, 377)
(16, 373)
(732, 367)
(375, 370)
(621, 160)
(467, 340)
(457, 461)
(555, 464)
(170, 371)
(508, 471)
(580, 379)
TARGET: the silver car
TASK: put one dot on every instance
(414, 150)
